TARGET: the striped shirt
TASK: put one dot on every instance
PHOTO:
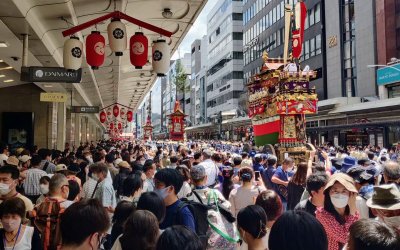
(88, 188)
(105, 194)
(32, 181)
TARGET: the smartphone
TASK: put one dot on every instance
(257, 175)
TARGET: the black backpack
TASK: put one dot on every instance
(199, 212)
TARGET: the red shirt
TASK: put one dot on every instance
(336, 233)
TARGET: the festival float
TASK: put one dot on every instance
(148, 129)
(177, 123)
(280, 96)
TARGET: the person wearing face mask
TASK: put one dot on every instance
(252, 223)
(9, 176)
(44, 189)
(32, 177)
(385, 204)
(15, 235)
(168, 182)
(83, 226)
(339, 210)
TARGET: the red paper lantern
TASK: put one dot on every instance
(138, 45)
(119, 125)
(111, 126)
(95, 46)
(129, 116)
(103, 116)
(116, 110)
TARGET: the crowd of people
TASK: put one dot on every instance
(124, 195)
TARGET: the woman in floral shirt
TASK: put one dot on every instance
(339, 210)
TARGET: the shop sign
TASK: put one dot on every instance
(85, 109)
(388, 75)
(53, 97)
(50, 74)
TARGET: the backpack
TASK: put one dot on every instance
(214, 225)
(47, 221)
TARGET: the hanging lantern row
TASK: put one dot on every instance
(95, 49)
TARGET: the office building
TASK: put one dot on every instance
(198, 81)
(224, 58)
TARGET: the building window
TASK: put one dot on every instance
(306, 50)
(317, 10)
(318, 44)
(237, 16)
(237, 36)
(312, 47)
(349, 54)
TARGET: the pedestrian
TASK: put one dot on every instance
(124, 171)
(281, 179)
(227, 184)
(9, 176)
(179, 237)
(15, 233)
(123, 210)
(269, 172)
(270, 201)
(297, 230)
(152, 202)
(83, 225)
(210, 167)
(252, 223)
(32, 179)
(132, 189)
(149, 169)
(44, 189)
(247, 193)
(46, 164)
(385, 204)
(140, 232)
(168, 183)
(367, 234)
(339, 210)
(315, 187)
(202, 193)
(186, 190)
(297, 185)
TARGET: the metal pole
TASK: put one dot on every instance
(25, 50)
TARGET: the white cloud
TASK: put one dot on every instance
(197, 31)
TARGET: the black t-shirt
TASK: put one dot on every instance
(307, 206)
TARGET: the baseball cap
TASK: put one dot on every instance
(24, 158)
(198, 172)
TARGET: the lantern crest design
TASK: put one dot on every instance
(95, 43)
(138, 50)
(117, 36)
(72, 54)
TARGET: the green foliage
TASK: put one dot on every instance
(180, 78)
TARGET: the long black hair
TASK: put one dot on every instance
(227, 183)
(328, 206)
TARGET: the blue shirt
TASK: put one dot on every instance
(281, 175)
(267, 175)
(183, 217)
(258, 167)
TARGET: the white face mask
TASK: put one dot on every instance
(393, 222)
(4, 189)
(11, 225)
(339, 200)
(44, 189)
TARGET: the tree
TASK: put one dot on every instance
(180, 80)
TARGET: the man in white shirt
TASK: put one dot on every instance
(149, 169)
(3, 154)
(210, 167)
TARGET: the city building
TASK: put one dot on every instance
(225, 57)
(198, 81)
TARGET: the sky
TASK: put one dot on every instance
(197, 31)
